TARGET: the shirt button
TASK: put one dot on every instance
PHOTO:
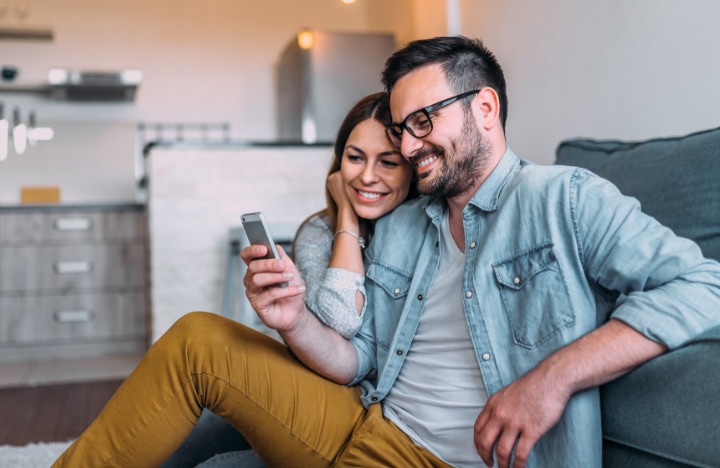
(399, 352)
(374, 398)
(397, 291)
(468, 294)
(486, 357)
(516, 280)
(472, 245)
(420, 297)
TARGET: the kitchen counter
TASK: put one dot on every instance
(60, 207)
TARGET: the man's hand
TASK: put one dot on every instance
(518, 414)
(278, 308)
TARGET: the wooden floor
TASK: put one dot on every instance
(51, 413)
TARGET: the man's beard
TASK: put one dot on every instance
(460, 171)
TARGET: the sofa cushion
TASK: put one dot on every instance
(676, 180)
(667, 409)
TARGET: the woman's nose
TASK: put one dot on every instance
(369, 175)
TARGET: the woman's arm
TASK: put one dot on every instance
(283, 309)
(332, 291)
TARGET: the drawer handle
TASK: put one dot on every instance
(72, 316)
(72, 267)
(73, 224)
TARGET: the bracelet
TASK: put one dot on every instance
(361, 241)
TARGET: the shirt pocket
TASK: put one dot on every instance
(396, 284)
(387, 299)
(534, 294)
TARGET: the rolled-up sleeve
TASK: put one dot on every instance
(671, 292)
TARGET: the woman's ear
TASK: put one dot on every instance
(486, 107)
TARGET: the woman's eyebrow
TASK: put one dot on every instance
(355, 148)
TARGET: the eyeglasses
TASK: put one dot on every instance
(419, 124)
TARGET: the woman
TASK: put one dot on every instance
(367, 179)
(187, 369)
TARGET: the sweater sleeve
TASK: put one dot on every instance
(330, 292)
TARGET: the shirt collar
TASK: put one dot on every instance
(487, 196)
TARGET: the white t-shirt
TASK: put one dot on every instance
(439, 392)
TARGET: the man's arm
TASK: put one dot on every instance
(319, 347)
(527, 408)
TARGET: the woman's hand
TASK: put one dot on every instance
(278, 307)
(346, 216)
(338, 191)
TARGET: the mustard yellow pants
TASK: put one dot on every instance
(290, 415)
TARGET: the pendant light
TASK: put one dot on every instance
(20, 139)
(4, 127)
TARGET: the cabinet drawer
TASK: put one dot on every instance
(67, 226)
(38, 319)
(46, 268)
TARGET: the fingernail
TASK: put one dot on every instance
(301, 288)
(288, 275)
(278, 265)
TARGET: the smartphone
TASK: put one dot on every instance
(257, 232)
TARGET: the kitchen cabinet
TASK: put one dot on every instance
(73, 282)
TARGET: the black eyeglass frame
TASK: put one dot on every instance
(393, 137)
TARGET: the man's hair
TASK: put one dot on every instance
(467, 64)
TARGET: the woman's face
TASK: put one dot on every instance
(376, 177)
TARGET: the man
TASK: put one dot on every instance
(492, 312)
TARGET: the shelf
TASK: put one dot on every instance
(26, 34)
(40, 90)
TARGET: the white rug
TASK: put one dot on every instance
(31, 455)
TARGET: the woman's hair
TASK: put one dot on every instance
(375, 106)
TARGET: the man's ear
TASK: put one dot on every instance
(486, 107)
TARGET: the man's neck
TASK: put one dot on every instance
(457, 204)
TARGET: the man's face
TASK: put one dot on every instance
(450, 160)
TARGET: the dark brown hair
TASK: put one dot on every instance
(375, 106)
(467, 64)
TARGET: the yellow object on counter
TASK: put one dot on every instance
(39, 195)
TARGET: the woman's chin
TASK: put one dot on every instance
(372, 213)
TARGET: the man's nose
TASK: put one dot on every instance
(409, 144)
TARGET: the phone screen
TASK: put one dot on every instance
(258, 233)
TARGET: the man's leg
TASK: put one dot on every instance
(290, 415)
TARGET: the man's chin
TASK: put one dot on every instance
(428, 189)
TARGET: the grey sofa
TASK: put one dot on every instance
(665, 413)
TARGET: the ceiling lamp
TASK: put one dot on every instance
(306, 39)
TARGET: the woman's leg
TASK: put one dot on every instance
(211, 435)
(290, 415)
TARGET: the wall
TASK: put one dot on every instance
(612, 69)
(211, 61)
(197, 196)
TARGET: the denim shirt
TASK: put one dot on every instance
(548, 251)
